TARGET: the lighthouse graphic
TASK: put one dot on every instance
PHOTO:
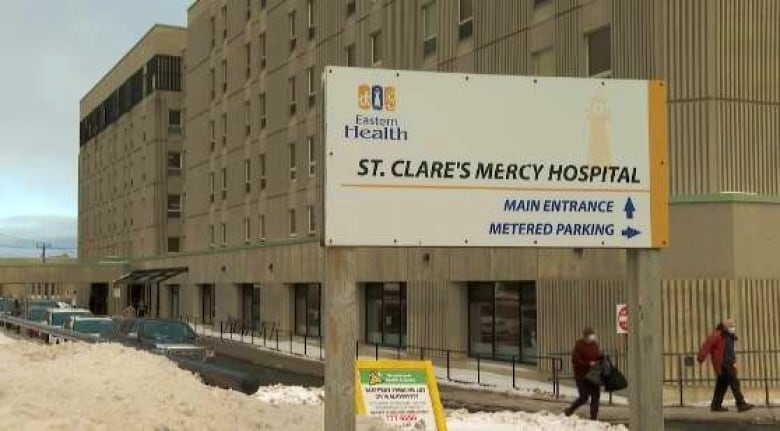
(599, 146)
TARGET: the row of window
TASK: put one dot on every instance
(262, 168)
(502, 318)
(292, 224)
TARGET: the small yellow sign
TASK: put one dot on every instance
(403, 393)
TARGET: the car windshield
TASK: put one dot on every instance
(36, 314)
(93, 326)
(167, 331)
(58, 318)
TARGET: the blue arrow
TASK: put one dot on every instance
(630, 232)
(629, 209)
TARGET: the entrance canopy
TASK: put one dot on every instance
(156, 275)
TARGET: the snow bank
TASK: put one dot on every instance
(4, 339)
(280, 394)
(109, 387)
(457, 420)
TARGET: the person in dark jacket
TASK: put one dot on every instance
(719, 346)
(585, 356)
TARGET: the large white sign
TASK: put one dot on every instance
(434, 159)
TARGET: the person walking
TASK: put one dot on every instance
(584, 358)
(719, 346)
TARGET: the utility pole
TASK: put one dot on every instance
(42, 245)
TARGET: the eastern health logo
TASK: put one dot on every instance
(376, 97)
(370, 125)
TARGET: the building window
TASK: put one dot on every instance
(293, 164)
(224, 22)
(311, 85)
(224, 183)
(262, 171)
(247, 230)
(543, 9)
(293, 39)
(312, 156)
(310, 18)
(211, 235)
(212, 134)
(376, 48)
(224, 76)
(224, 129)
(291, 85)
(247, 118)
(213, 27)
(174, 163)
(211, 186)
(466, 16)
(350, 51)
(261, 108)
(502, 320)
(293, 228)
(250, 306)
(173, 244)
(385, 313)
(248, 53)
(208, 307)
(173, 311)
(307, 309)
(350, 7)
(174, 118)
(261, 227)
(261, 43)
(213, 77)
(599, 53)
(224, 234)
(544, 63)
(174, 206)
(430, 25)
(247, 175)
(312, 220)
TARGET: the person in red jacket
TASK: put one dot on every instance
(719, 346)
(585, 356)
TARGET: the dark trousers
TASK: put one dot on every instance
(587, 390)
(727, 378)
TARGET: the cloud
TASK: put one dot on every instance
(20, 234)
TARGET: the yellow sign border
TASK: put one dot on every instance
(389, 364)
(659, 164)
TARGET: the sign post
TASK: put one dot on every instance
(452, 160)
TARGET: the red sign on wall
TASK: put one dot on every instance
(621, 313)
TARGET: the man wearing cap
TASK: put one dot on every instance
(586, 355)
(719, 346)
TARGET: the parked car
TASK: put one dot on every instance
(99, 327)
(167, 337)
(56, 317)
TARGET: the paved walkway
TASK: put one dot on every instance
(475, 399)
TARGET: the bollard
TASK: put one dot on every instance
(277, 341)
(291, 341)
(422, 353)
(357, 349)
(305, 343)
(513, 372)
(376, 352)
(220, 330)
(448, 366)
(479, 378)
(680, 378)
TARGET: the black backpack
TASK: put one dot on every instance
(611, 377)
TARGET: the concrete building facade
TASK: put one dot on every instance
(251, 219)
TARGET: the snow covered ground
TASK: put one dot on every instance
(110, 387)
(457, 420)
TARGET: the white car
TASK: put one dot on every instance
(56, 317)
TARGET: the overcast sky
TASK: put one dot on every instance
(52, 52)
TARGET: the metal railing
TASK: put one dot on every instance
(757, 369)
(12, 323)
(458, 366)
